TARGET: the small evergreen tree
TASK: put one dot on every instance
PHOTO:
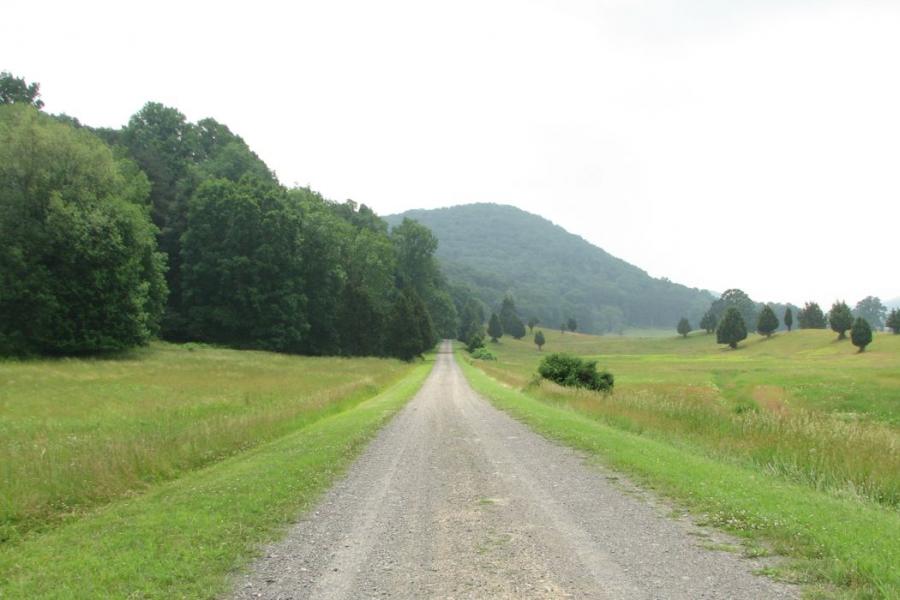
(539, 339)
(893, 321)
(840, 318)
(732, 328)
(768, 322)
(495, 330)
(861, 334)
(684, 327)
(572, 324)
(532, 322)
(788, 318)
(516, 328)
(708, 322)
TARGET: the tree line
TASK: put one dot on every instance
(176, 229)
(730, 314)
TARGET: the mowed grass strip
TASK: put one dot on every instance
(76, 433)
(184, 538)
(851, 546)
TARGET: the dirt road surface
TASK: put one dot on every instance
(454, 499)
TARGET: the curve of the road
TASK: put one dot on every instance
(454, 499)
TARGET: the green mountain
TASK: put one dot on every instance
(552, 274)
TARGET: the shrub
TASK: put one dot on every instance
(483, 354)
(573, 371)
(475, 342)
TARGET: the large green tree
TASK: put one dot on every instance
(243, 268)
(79, 266)
(768, 322)
(732, 328)
(840, 319)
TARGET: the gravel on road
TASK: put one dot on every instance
(455, 499)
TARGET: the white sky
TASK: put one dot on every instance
(720, 143)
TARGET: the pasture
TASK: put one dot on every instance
(799, 409)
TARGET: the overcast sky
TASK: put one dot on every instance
(720, 143)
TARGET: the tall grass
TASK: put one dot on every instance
(779, 405)
(75, 433)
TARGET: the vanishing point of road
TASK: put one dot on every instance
(455, 499)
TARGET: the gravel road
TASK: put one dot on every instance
(454, 499)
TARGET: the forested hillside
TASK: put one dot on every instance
(553, 275)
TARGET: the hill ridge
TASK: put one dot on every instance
(499, 249)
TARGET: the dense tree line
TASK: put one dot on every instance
(176, 228)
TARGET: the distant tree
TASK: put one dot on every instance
(861, 334)
(893, 321)
(768, 322)
(811, 317)
(788, 318)
(539, 339)
(684, 327)
(738, 299)
(471, 320)
(872, 310)
(14, 90)
(708, 322)
(572, 324)
(732, 328)
(517, 328)
(532, 322)
(562, 328)
(840, 318)
(495, 329)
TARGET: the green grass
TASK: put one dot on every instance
(76, 433)
(185, 538)
(792, 439)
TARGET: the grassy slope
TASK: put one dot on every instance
(689, 419)
(75, 433)
(185, 537)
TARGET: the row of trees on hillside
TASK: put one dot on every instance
(176, 228)
(732, 328)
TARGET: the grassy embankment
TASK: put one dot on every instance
(793, 442)
(156, 474)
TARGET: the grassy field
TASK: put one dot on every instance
(77, 433)
(186, 538)
(796, 416)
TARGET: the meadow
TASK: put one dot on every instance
(76, 433)
(799, 409)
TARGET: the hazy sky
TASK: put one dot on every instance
(720, 143)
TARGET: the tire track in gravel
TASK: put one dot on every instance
(454, 499)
